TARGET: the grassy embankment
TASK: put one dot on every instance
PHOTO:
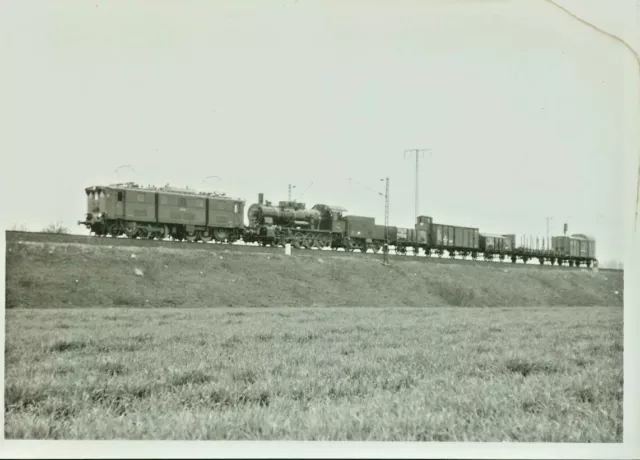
(47, 276)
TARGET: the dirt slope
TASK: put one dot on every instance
(74, 275)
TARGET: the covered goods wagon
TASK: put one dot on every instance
(450, 236)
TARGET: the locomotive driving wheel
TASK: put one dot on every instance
(131, 229)
(296, 241)
(220, 235)
(115, 230)
(307, 241)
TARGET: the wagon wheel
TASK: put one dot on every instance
(275, 242)
(206, 236)
(376, 248)
(365, 247)
(296, 241)
(192, 236)
(427, 252)
(416, 250)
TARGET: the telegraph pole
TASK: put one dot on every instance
(385, 251)
(417, 153)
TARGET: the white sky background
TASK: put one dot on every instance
(528, 112)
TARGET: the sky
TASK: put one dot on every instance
(527, 113)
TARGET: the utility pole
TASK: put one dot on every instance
(385, 250)
(417, 153)
(290, 187)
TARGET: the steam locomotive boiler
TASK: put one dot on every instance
(286, 222)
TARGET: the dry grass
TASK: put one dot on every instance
(444, 374)
(48, 276)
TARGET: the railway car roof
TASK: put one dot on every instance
(492, 235)
(169, 190)
(582, 236)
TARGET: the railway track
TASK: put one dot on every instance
(41, 237)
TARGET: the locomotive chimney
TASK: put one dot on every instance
(260, 198)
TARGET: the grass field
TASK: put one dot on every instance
(442, 374)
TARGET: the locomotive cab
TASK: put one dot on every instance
(331, 217)
(99, 206)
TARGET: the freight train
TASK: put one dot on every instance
(184, 214)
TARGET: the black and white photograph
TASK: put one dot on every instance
(305, 228)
